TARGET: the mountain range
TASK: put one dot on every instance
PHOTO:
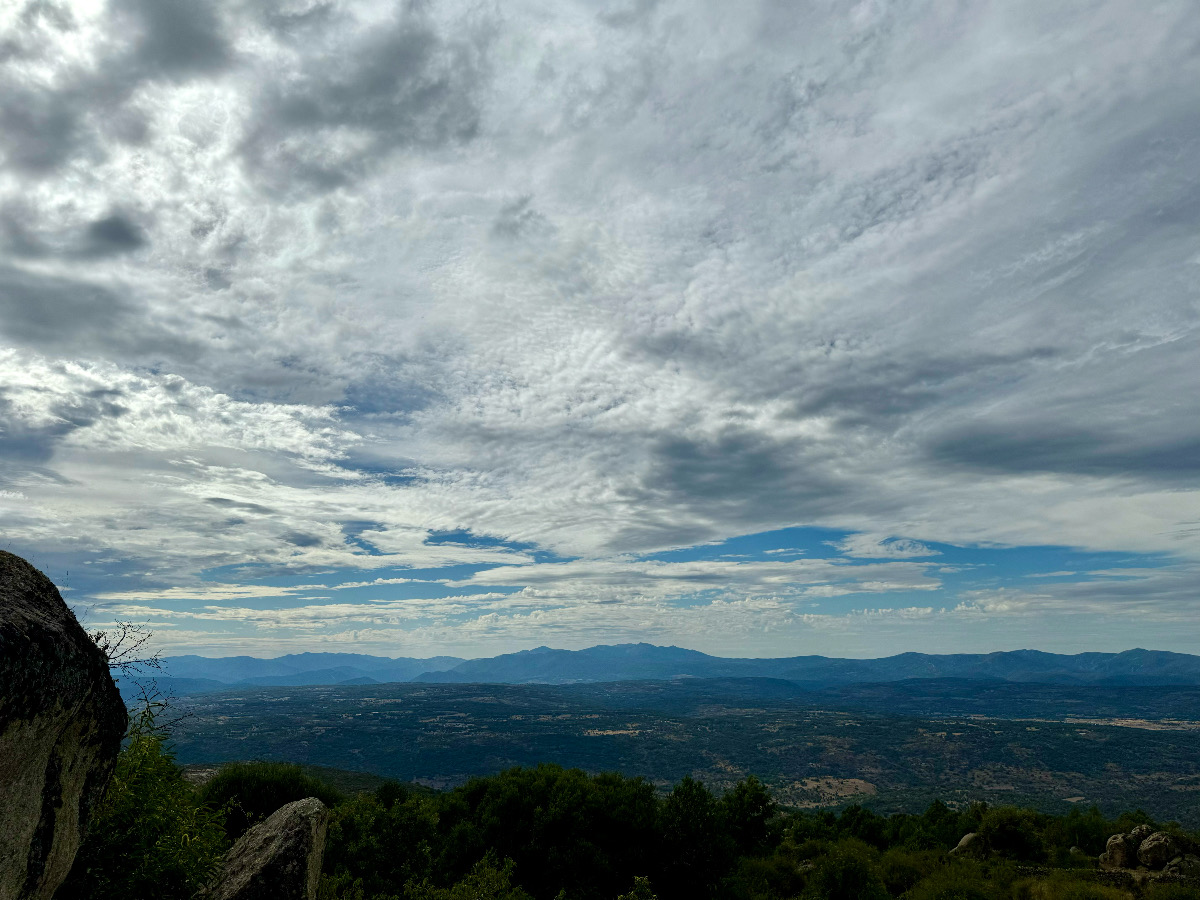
(647, 662)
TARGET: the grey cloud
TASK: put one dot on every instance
(216, 279)
(176, 37)
(63, 315)
(56, 15)
(404, 88)
(226, 503)
(42, 128)
(299, 539)
(47, 312)
(34, 443)
(703, 485)
(23, 238)
(518, 218)
(294, 23)
(112, 235)
(39, 130)
(628, 13)
(19, 239)
(1040, 447)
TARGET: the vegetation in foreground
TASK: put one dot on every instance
(549, 833)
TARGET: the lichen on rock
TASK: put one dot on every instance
(279, 858)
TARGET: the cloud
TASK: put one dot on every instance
(113, 234)
(386, 87)
(868, 546)
(598, 283)
(174, 37)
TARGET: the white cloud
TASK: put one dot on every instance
(621, 279)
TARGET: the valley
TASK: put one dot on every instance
(1051, 747)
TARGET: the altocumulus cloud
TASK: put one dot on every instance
(509, 323)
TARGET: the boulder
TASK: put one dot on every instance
(1186, 866)
(1157, 850)
(1140, 833)
(278, 859)
(971, 843)
(1119, 853)
(61, 724)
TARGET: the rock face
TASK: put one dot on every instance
(1140, 833)
(1154, 850)
(971, 843)
(1186, 866)
(1119, 853)
(1157, 850)
(61, 724)
(278, 859)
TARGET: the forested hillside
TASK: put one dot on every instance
(552, 833)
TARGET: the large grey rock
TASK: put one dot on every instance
(1119, 853)
(1140, 833)
(61, 724)
(1186, 866)
(277, 859)
(1157, 850)
(971, 844)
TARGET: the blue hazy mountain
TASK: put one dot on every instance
(647, 662)
(183, 675)
(624, 662)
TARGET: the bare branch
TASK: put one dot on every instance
(124, 644)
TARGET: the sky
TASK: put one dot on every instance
(760, 328)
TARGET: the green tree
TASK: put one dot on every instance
(745, 811)
(696, 851)
(563, 830)
(381, 847)
(1015, 833)
(151, 837)
(640, 890)
(487, 880)
(848, 873)
(251, 791)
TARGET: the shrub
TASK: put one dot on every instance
(848, 873)
(1063, 887)
(957, 881)
(1014, 833)
(251, 791)
(381, 847)
(151, 837)
(902, 870)
(1171, 892)
(487, 880)
(640, 891)
(745, 811)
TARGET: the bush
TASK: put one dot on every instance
(1171, 892)
(745, 810)
(957, 881)
(151, 837)
(251, 791)
(563, 829)
(381, 848)
(848, 873)
(1063, 887)
(486, 881)
(641, 890)
(696, 851)
(902, 869)
(1014, 833)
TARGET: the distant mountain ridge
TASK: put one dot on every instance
(648, 662)
(184, 675)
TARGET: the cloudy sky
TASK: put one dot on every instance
(762, 328)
